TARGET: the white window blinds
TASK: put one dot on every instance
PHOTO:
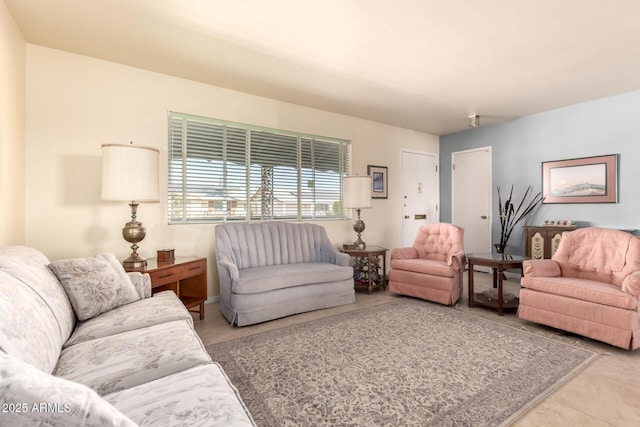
(230, 171)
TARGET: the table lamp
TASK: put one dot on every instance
(356, 193)
(130, 173)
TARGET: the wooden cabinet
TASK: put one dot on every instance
(542, 242)
(186, 276)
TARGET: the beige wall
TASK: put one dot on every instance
(76, 103)
(12, 130)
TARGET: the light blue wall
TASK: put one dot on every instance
(606, 126)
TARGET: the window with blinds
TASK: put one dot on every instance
(220, 171)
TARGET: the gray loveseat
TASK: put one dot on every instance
(82, 343)
(274, 269)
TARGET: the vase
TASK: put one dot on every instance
(500, 247)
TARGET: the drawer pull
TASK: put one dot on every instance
(166, 275)
(194, 268)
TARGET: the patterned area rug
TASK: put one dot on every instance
(402, 363)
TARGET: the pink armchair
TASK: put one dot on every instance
(432, 268)
(590, 287)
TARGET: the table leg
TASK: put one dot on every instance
(384, 271)
(471, 302)
(495, 277)
(500, 300)
(370, 276)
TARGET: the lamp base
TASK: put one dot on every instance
(358, 227)
(133, 232)
(134, 262)
(360, 244)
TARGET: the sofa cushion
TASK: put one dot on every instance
(94, 284)
(30, 266)
(28, 328)
(141, 282)
(424, 266)
(583, 289)
(201, 396)
(31, 397)
(161, 308)
(267, 278)
(131, 358)
(600, 251)
(605, 255)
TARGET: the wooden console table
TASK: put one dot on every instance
(186, 276)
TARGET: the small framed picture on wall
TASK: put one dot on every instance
(378, 176)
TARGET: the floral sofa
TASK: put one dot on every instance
(84, 343)
(591, 286)
(274, 269)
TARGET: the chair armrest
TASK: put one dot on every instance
(458, 261)
(631, 284)
(142, 283)
(403, 253)
(541, 268)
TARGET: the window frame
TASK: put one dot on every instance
(319, 161)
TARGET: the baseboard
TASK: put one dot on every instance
(212, 300)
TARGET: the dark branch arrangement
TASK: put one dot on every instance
(510, 216)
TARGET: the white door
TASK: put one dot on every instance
(471, 197)
(421, 193)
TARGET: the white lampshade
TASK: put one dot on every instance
(129, 173)
(356, 192)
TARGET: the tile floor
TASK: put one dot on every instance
(605, 393)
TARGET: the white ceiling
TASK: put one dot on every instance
(419, 64)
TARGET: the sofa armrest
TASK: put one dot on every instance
(458, 261)
(541, 268)
(403, 253)
(231, 268)
(331, 255)
(142, 283)
(342, 259)
(631, 284)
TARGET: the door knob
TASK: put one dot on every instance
(483, 217)
(406, 217)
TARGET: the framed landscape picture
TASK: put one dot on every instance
(378, 176)
(583, 180)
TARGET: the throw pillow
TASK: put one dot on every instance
(31, 397)
(94, 284)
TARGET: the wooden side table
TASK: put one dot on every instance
(499, 263)
(374, 279)
(186, 276)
